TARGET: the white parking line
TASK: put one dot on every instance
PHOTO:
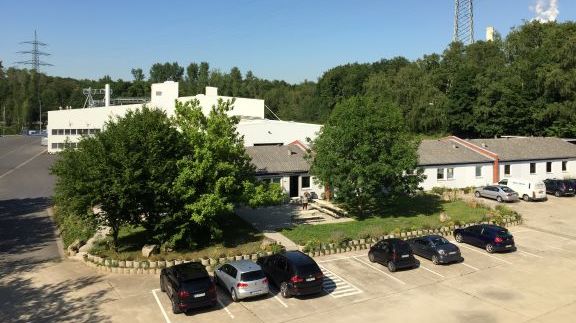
(335, 259)
(280, 301)
(376, 268)
(471, 267)
(432, 271)
(486, 254)
(23, 163)
(160, 305)
(336, 286)
(226, 309)
(530, 254)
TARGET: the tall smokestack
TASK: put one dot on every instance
(489, 33)
(107, 95)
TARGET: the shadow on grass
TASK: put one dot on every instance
(406, 206)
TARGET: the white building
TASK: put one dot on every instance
(456, 163)
(68, 126)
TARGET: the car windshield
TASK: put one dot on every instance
(540, 186)
(252, 275)
(439, 241)
(506, 189)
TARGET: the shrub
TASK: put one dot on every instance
(339, 237)
(73, 227)
(311, 245)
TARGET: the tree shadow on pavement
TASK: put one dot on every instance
(23, 225)
(21, 300)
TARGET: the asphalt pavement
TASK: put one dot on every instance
(27, 232)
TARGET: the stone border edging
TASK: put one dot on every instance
(360, 244)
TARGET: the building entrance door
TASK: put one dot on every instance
(294, 186)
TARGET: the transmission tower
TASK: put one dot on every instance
(35, 62)
(463, 21)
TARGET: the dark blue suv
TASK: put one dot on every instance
(488, 236)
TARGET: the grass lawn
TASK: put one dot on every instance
(406, 214)
(239, 237)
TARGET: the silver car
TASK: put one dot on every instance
(242, 279)
(497, 192)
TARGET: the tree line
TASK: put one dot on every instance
(523, 84)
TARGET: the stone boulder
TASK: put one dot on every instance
(444, 217)
(149, 250)
(74, 247)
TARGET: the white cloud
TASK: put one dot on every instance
(545, 10)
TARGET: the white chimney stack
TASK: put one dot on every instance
(489, 33)
(211, 91)
(107, 95)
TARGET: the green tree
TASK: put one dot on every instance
(127, 170)
(166, 72)
(212, 175)
(364, 152)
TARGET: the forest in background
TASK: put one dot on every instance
(523, 84)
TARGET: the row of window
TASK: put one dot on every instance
(62, 145)
(66, 132)
(533, 168)
(448, 173)
(305, 181)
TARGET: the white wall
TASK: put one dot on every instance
(522, 169)
(285, 184)
(275, 131)
(163, 96)
(464, 176)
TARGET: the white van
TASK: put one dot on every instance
(528, 190)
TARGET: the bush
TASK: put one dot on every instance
(73, 227)
(311, 245)
(339, 237)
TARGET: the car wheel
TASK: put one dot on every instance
(371, 257)
(489, 248)
(391, 266)
(234, 295)
(458, 237)
(557, 194)
(499, 199)
(435, 260)
(526, 198)
(477, 194)
(284, 290)
(175, 308)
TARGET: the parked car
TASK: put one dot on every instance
(488, 236)
(497, 192)
(559, 187)
(393, 253)
(294, 272)
(528, 190)
(436, 248)
(188, 286)
(242, 279)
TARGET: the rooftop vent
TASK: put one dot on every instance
(455, 146)
(484, 145)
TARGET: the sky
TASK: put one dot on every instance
(291, 40)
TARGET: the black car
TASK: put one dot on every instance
(393, 253)
(559, 187)
(436, 248)
(188, 286)
(294, 272)
(488, 236)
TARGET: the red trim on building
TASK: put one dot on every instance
(299, 144)
(484, 152)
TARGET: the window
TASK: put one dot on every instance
(60, 132)
(305, 181)
(72, 131)
(276, 180)
(54, 132)
(478, 171)
(506, 169)
(564, 164)
(60, 145)
(266, 180)
(532, 168)
(67, 132)
(54, 145)
(548, 167)
(450, 173)
(440, 173)
(158, 93)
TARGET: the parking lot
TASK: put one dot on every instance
(532, 284)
